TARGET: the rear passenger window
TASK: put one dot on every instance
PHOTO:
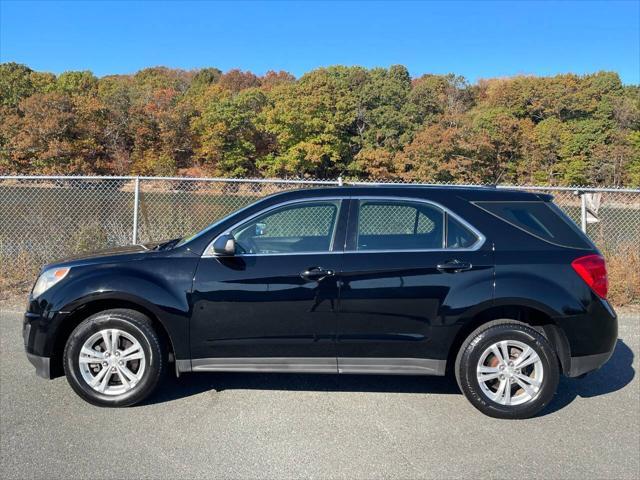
(540, 219)
(406, 225)
(396, 225)
(459, 236)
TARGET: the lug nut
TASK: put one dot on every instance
(117, 354)
(120, 362)
(113, 369)
(104, 364)
(501, 377)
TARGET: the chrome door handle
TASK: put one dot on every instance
(316, 273)
(454, 266)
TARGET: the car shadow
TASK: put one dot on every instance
(614, 375)
(193, 384)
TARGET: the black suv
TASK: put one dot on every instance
(498, 287)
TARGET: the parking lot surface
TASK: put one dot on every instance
(291, 426)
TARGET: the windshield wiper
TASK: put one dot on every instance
(168, 244)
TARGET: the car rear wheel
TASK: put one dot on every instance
(114, 358)
(507, 370)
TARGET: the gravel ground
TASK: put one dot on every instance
(291, 426)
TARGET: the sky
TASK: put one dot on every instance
(474, 39)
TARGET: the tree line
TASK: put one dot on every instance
(367, 123)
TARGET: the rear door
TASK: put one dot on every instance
(412, 271)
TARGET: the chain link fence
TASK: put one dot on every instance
(50, 217)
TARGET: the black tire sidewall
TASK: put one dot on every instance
(150, 346)
(470, 357)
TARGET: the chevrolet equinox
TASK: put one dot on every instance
(498, 287)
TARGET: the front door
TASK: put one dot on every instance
(411, 269)
(273, 305)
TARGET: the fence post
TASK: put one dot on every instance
(136, 201)
(340, 180)
(583, 211)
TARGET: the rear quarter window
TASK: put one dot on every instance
(543, 220)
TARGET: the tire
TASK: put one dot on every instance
(144, 361)
(527, 390)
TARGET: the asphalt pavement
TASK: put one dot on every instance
(316, 426)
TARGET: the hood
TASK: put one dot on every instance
(128, 252)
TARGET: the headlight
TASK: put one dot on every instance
(48, 279)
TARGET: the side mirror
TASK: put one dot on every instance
(224, 245)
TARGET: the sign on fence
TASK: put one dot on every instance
(593, 205)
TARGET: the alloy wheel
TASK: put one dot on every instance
(510, 372)
(112, 361)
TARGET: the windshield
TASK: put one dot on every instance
(186, 240)
(200, 233)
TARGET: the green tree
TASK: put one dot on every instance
(15, 83)
(382, 118)
(81, 83)
(229, 140)
(314, 122)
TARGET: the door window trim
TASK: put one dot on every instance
(352, 228)
(347, 203)
(208, 252)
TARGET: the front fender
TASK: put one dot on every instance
(162, 290)
(122, 282)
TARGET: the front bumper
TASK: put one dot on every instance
(29, 331)
(37, 333)
(42, 364)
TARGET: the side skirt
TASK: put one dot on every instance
(346, 365)
(392, 366)
(266, 364)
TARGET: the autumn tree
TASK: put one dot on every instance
(367, 123)
(236, 80)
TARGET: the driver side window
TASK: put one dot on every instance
(298, 228)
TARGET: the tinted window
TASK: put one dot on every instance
(303, 227)
(541, 219)
(459, 236)
(397, 225)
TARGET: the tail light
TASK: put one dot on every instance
(593, 271)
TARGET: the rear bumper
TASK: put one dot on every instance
(592, 338)
(42, 364)
(587, 363)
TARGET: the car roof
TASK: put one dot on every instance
(433, 192)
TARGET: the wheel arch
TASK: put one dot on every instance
(84, 311)
(538, 319)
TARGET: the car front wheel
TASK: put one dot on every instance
(114, 358)
(507, 370)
